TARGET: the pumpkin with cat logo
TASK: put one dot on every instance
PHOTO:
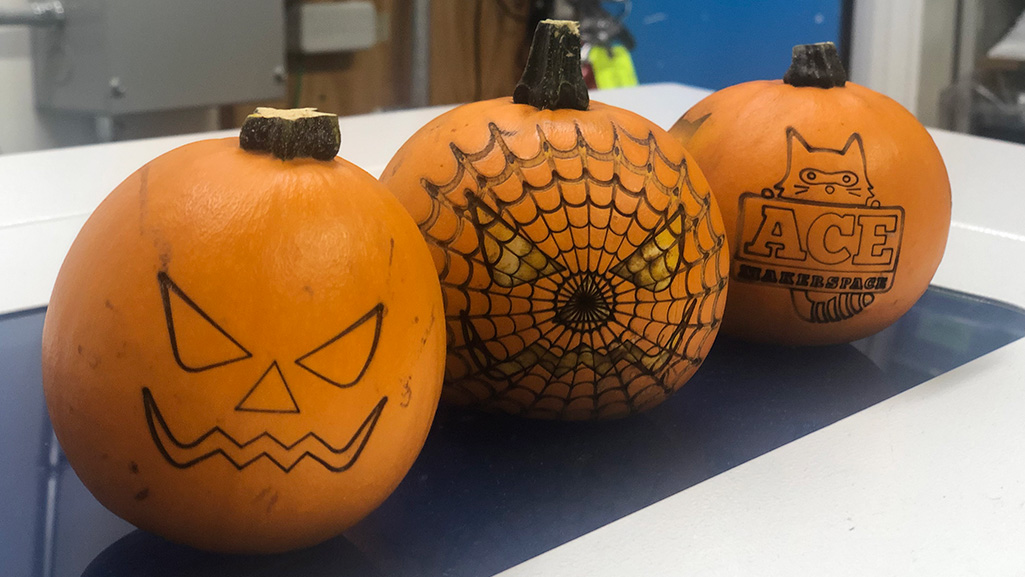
(835, 199)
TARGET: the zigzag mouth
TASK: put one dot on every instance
(241, 454)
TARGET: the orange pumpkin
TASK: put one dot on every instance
(581, 255)
(243, 350)
(836, 201)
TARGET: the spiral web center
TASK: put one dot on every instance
(585, 302)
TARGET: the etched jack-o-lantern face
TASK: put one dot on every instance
(256, 364)
(581, 258)
(200, 345)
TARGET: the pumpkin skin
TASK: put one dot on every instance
(762, 146)
(220, 295)
(582, 257)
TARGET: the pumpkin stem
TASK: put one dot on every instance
(292, 133)
(816, 65)
(552, 78)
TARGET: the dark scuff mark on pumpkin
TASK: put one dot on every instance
(165, 259)
(108, 304)
(273, 501)
(391, 250)
(91, 359)
(159, 242)
(141, 495)
(263, 493)
(133, 467)
(407, 393)
(430, 327)
(143, 198)
(308, 289)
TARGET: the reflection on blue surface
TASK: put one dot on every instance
(489, 491)
(716, 44)
(140, 554)
(942, 331)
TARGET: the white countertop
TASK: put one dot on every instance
(930, 482)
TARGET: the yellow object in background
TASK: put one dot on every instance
(613, 67)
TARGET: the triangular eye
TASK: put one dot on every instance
(511, 258)
(344, 358)
(198, 343)
(654, 264)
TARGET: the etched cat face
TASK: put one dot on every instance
(825, 174)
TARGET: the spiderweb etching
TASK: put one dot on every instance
(579, 283)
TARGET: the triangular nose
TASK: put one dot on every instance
(270, 394)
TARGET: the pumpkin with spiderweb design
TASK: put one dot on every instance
(582, 257)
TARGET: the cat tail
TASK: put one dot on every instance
(826, 308)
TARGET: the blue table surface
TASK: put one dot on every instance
(490, 492)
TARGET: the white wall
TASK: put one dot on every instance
(939, 29)
(886, 48)
(23, 128)
(905, 49)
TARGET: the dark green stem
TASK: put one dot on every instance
(816, 65)
(552, 77)
(292, 133)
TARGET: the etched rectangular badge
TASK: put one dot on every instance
(822, 246)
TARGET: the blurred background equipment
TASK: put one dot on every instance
(331, 27)
(987, 93)
(119, 69)
(710, 44)
(79, 71)
(605, 43)
(113, 57)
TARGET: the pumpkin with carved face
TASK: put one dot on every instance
(243, 350)
(582, 257)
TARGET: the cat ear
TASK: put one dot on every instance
(792, 135)
(854, 139)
